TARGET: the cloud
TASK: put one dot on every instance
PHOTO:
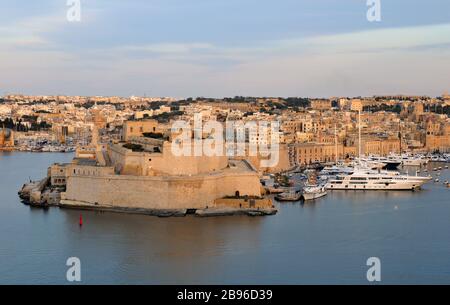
(389, 38)
(379, 40)
(29, 32)
(37, 31)
(170, 48)
(389, 60)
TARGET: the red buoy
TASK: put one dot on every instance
(81, 220)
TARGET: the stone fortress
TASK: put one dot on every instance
(141, 174)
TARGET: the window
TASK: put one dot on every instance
(358, 179)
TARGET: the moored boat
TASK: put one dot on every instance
(289, 196)
(313, 192)
(370, 180)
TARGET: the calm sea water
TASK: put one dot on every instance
(326, 242)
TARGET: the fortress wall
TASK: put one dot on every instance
(142, 164)
(189, 165)
(159, 192)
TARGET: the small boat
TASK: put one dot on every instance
(289, 196)
(313, 192)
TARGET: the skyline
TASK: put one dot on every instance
(209, 48)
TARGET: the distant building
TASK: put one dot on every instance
(357, 105)
(143, 114)
(380, 147)
(418, 108)
(439, 143)
(138, 128)
(321, 104)
(344, 104)
(308, 153)
(437, 137)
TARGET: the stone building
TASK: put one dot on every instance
(138, 128)
(439, 143)
(380, 146)
(321, 105)
(308, 153)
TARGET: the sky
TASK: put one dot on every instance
(212, 48)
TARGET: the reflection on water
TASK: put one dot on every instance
(325, 241)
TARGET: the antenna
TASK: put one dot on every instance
(359, 119)
(336, 143)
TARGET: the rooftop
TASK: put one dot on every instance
(85, 162)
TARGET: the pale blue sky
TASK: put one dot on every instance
(225, 48)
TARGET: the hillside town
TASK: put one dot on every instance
(169, 157)
(310, 129)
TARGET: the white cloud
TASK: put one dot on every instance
(398, 60)
(170, 48)
(29, 32)
(390, 38)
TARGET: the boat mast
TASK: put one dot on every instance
(336, 143)
(359, 119)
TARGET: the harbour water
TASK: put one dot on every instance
(324, 242)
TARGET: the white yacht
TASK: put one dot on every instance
(413, 160)
(371, 180)
(339, 169)
(369, 163)
(313, 192)
(387, 163)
